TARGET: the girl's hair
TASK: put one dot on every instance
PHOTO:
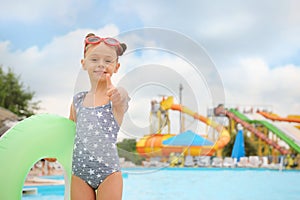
(122, 45)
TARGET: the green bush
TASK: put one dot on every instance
(127, 150)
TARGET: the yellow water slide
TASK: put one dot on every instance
(152, 145)
(224, 134)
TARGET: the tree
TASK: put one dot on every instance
(127, 150)
(127, 145)
(14, 96)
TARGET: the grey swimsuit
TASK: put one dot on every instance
(95, 155)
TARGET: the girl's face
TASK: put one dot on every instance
(100, 59)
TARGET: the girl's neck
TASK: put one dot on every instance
(97, 88)
(96, 96)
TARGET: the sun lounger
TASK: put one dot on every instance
(265, 162)
(217, 162)
(244, 162)
(228, 162)
(279, 165)
(254, 161)
(189, 161)
(203, 161)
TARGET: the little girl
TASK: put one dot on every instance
(98, 114)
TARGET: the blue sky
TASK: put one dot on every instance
(32, 27)
(254, 46)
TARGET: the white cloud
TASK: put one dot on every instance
(230, 30)
(51, 71)
(253, 83)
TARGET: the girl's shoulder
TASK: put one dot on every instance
(79, 96)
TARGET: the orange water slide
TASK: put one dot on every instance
(274, 117)
(152, 145)
(224, 134)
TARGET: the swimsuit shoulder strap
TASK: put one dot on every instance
(78, 99)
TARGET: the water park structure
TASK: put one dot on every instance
(152, 145)
(275, 137)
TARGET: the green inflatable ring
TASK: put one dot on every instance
(39, 136)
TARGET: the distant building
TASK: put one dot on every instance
(7, 120)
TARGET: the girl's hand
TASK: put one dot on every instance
(118, 96)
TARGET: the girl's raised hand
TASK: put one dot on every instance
(113, 93)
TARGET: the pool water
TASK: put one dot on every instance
(53, 192)
(200, 183)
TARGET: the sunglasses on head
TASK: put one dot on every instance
(108, 41)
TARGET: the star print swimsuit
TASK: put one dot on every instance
(95, 155)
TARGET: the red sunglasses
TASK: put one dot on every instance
(109, 41)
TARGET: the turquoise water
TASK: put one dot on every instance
(200, 183)
(54, 192)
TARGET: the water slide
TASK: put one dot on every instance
(152, 145)
(274, 117)
(246, 123)
(288, 125)
(224, 137)
(287, 137)
(287, 128)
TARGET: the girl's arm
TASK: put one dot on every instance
(119, 98)
(72, 113)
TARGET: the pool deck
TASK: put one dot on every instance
(35, 178)
(35, 181)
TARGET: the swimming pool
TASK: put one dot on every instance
(201, 183)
